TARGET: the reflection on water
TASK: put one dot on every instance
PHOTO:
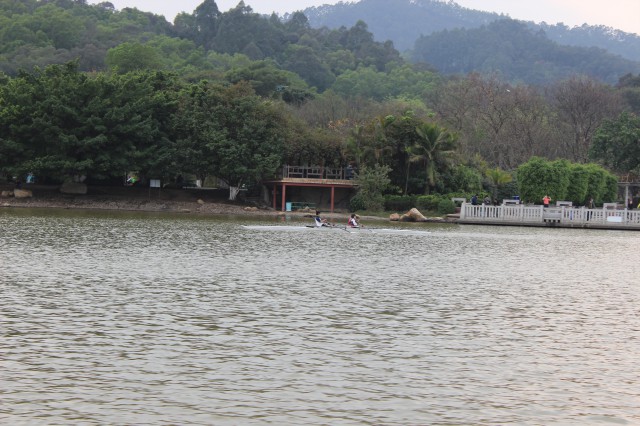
(153, 319)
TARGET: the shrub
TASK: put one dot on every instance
(597, 183)
(446, 206)
(611, 188)
(462, 178)
(398, 203)
(357, 203)
(579, 185)
(561, 179)
(428, 202)
(372, 182)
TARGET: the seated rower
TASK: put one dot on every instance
(320, 221)
(353, 223)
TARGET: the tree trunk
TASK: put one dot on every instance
(431, 179)
(233, 192)
(406, 182)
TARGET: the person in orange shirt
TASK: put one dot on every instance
(546, 200)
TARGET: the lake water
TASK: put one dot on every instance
(115, 318)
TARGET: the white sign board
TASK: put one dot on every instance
(154, 183)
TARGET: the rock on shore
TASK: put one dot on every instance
(413, 215)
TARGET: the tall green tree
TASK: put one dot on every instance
(307, 64)
(372, 183)
(251, 134)
(616, 144)
(629, 85)
(196, 131)
(206, 19)
(268, 80)
(497, 178)
(132, 56)
(433, 147)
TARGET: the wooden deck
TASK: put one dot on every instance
(314, 182)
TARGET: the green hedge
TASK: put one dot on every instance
(440, 203)
(446, 206)
(562, 180)
(399, 203)
(428, 202)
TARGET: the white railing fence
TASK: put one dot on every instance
(538, 214)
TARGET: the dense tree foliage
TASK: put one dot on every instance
(196, 98)
(629, 86)
(249, 142)
(372, 183)
(67, 124)
(61, 124)
(617, 144)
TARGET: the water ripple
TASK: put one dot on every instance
(145, 319)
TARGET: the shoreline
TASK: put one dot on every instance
(202, 202)
(171, 201)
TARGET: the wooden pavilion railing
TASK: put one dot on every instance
(317, 172)
(628, 178)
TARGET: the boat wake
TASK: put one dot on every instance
(339, 229)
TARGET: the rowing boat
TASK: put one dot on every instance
(331, 229)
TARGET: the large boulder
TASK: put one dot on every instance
(413, 215)
(6, 194)
(22, 193)
(76, 188)
(394, 217)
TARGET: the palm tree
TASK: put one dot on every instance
(433, 146)
(497, 177)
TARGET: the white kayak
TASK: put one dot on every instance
(340, 229)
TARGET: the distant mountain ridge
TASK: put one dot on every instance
(517, 53)
(404, 21)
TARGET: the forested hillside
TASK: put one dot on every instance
(90, 91)
(37, 33)
(401, 21)
(614, 41)
(515, 52)
(404, 21)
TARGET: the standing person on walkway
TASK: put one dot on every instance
(590, 205)
(630, 204)
(474, 200)
(546, 200)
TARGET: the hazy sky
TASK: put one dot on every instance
(620, 14)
